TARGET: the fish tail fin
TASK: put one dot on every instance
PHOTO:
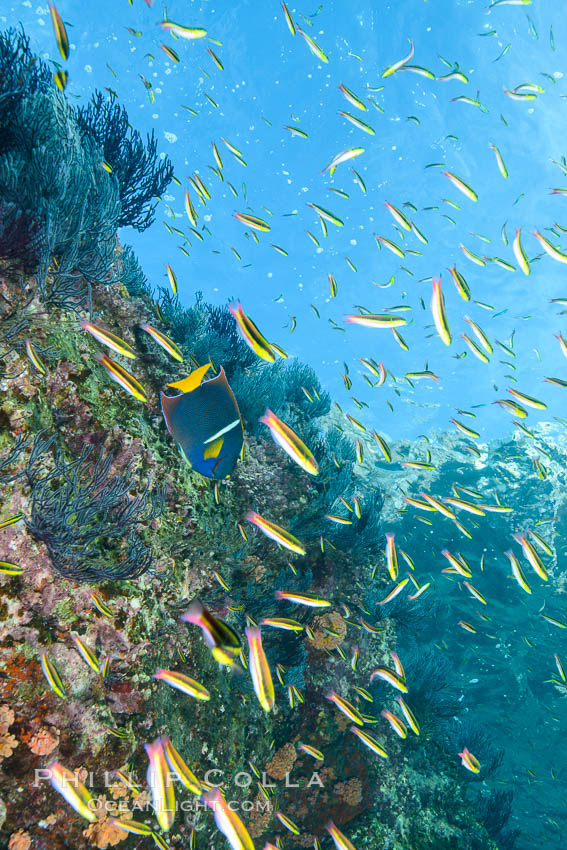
(195, 613)
(235, 308)
(267, 417)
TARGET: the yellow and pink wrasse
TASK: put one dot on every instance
(394, 592)
(439, 315)
(260, 669)
(397, 725)
(160, 781)
(250, 333)
(400, 64)
(190, 209)
(290, 442)
(517, 572)
(275, 532)
(188, 33)
(391, 677)
(398, 216)
(550, 249)
(409, 715)
(223, 641)
(34, 357)
(461, 185)
(376, 320)
(172, 279)
(183, 683)
(86, 654)
(288, 19)
(52, 675)
(341, 841)
(341, 157)
(60, 32)
(166, 343)
(132, 826)
(369, 742)
(469, 761)
(532, 556)
(67, 784)
(109, 339)
(391, 556)
(302, 599)
(179, 768)
(474, 592)
(122, 377)
(346, 707)
(311, 751)
(312, 45)
(252, 221)
(438, 506)
(287, 822)
(282, 623)
(228, 821)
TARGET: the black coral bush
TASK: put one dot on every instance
(141, 176)
(85, 516)
(69, 178)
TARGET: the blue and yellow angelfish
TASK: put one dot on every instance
(205, 422)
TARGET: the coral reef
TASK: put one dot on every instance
(85, 415)
(94, 492)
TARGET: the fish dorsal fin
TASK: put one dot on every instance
(192, 381)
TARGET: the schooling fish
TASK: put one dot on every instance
(181, 31)
(469, 761)
(179, 768)
(250, 333)
(86, 654)
(290, 442)
(122, 377)
(259, 669)
(341, 841)
(107, 338)
(166, 343)
(223, 642)
(67, 784)
(60, 32)
(205, 422)
(183, 683)
(132, 826)
(228, 821)
(311, 751)
(161, 785)
(51, 674)
(397, 725)
(346, 707)
(370, 742)
(275, 532)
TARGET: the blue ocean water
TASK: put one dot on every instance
(271, 82)
(271, 79)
